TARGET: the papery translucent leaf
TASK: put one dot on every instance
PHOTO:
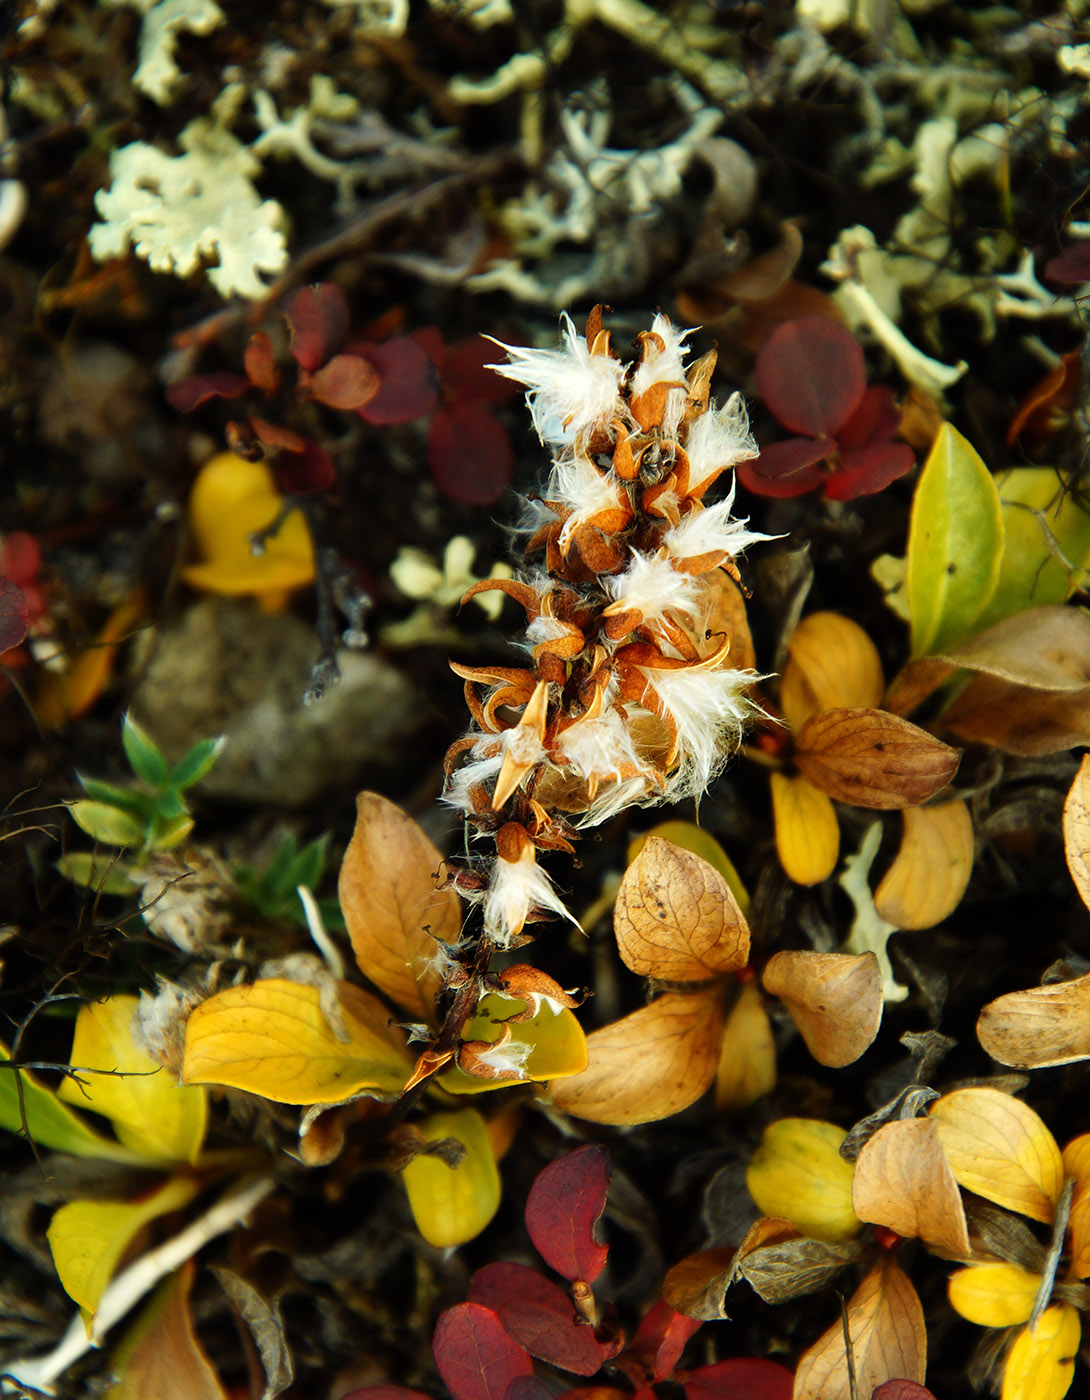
(903, 1181)
(798, 1174)
(955, 544)
(691, 837)
(1041, 1363)
(1039, 1027)
(453, 1204)
(1076, 827)
(476, 1358)
(811, 374)
(563, 1208)
(160, 1357)
(538, 1314)
(1045, 648)
(697, 1284)
(1017, 719)
(873, 759)
(931, 869)
(151, 1113)
(835, 999)
(994, 1295)
(272, 1038)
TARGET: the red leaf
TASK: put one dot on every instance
(20, 557)
(13, 614)
(869, 469)
(564, 1204)
(1071, 267)
(408, 388)
(385, 1392)
(538, 1314)
(902, 1390)
(466, 374)
(476, 1358)
(790, 458)
(527, 1388)
(345, 381)
(260, 364)
(187, 394)
(431, 339)
(661, 1338)
(303, 473)
(811, 374)
(318, 320)
(275, 435)
(744, 1378)
(876, 419)
(469, 453)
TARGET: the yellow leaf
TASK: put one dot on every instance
(747, 1056)
(231, 500)
(160, 1357)
(833, 665)
(807, 834)
(798, 1174)
(272, 1038)
(1041, 1363)
(393, 909)
(151, 1113)
(453, 1204)
(676, 918)
(650, 1064)
(558, 1045)
(89, 1238)
(994, 1295)
(929, 873)
(65, 695)
(691, 837)
(1077, 830)
(998, 1147)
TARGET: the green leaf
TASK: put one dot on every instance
(170, 832)
(955, 544)
(107, 824)
(144, 754)
(1044, 524)
(454, 1204)
(558, 1047)
(50, 1123)
(137, 803)
(197, 762)
(103, 874)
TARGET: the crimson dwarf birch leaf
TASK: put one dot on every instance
(902, 1390)
(564, 1204)
(189, 393)
(661, 1338)
(408, 380)
(741, 1378)
(538, 1314)
(469, 453)
(476, 1358)
(385, 1392)
(318, 320)
(811, 374)
(13, 614)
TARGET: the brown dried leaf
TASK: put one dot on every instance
(833, 663)
(1040, 1027)
(999, 1148)
(697, 1284)
(392, 908)
(675, 917)
(835, 999)
(1018, 720)
(780, 1265)
(649, 1064)
(903, 1181)
(873, 759)
(914, 683)
(1077, 830)
(161, 1355)
(1045, 648)
(885, 1323)
(929, 873)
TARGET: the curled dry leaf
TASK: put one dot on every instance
(1077, 830)
(392, 907)
(1039, 1027)
(649, 1064)
(873, 759)
(747, 1055)
(1018, 720)
(1045, 648)
(779, 1264)
(835, 1000)
(697, 1284)
(903, 1181)
(929, 873)
(675, 917)
(885, 1323)
(832, 663)
(998, 1147)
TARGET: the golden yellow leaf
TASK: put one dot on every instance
(903, 1181)
(65, 695)
(453, 1204)
(1041, 1026)
(998, 1147)
(702, 843)
(747, 1054)
(160, 1357)
(1078, 1229)
(1041, 1363)
(835, 1000)
(1077, 830)
(888, 1340)
(994, 1295)
(873, 759)
(558, 1045)
(272, 1038)
(929, 873)
(807, 831)
(675, 917)
(798, 1174)
(392, 906)
(649, 1064)
(89, 1238)
(151, 1112)
(832, 664)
